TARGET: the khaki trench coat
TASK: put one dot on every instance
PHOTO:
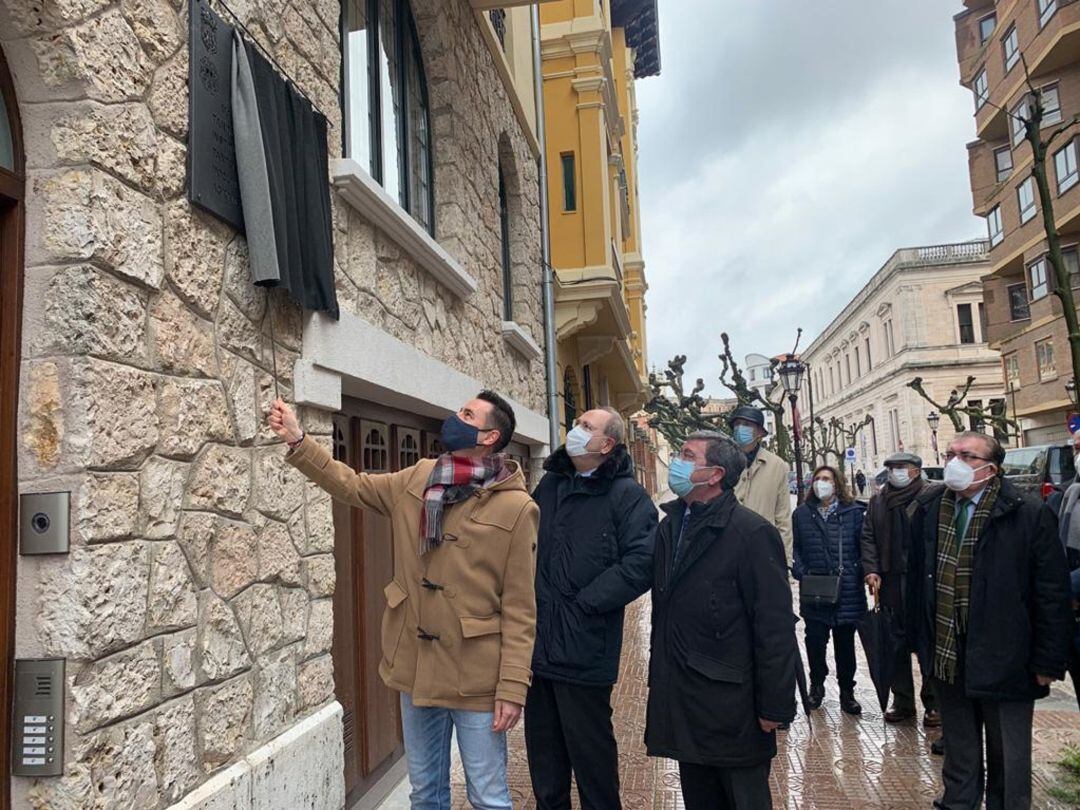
(459, 623)
(763, 488)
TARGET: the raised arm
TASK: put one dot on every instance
(376, 492)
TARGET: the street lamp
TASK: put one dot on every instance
(791, 372)
(934, 419)
(1070, 389)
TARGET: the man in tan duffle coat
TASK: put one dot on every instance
(460, 618)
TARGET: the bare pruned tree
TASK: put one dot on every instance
(955, 409)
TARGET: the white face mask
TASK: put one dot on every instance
(899, 478)
(577, 441)
(959, 476)
(823, 489)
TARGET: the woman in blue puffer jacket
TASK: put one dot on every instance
(826, 531)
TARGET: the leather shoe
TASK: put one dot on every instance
(932, 719)
(938, 747)
(849, 705)
(816, 696)
(895, 715)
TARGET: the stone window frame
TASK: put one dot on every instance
(514, 273)
(969, 324)
(1009, 363)
(1044, 351)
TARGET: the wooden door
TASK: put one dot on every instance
(365, 564)
(11, 259)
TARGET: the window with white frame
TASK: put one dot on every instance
(1025, 198)
(1046, 10)
(986, 27)
(1017, 118)
(981, 88)
(1010, 43)
(994, 227)
(387, 113)
(1044, 359)
(1051, 103)
(1038, 279)
(1065, 167)
(1003, 162)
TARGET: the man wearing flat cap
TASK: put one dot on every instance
(763, 487)
(886, 538)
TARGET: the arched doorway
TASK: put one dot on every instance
(12, 188)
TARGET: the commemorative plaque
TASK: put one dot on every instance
(213, 184)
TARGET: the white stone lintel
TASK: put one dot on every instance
(520, 340)
(371, 364)
(316, 386)
(358, 189)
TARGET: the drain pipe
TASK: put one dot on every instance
(548, 284)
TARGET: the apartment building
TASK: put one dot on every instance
(994, 41)
(920, 315)
(217, 618)
(593, 53)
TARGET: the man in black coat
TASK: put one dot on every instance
(991, 614)
(722, 670)
(594, 557)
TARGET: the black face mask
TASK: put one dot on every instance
(457, 434)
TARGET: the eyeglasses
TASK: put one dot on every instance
(949, 456)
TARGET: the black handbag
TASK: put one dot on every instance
(822, 590)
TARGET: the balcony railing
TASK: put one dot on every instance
(935, 254)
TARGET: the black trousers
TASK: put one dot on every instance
(705, 787)
(568, 730)
(817, 640)
(1007, 727)
(903, 687)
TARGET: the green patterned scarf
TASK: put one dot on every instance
(954, 562)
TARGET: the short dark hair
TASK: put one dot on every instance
(994, 451)
(721, 451)
(502, 415)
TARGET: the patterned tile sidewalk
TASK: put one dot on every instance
(840, 762)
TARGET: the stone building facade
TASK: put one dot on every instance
(196, 609)
(918, 316)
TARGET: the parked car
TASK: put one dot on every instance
(933, 473)
(1039, 469)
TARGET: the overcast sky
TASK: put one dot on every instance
(786, 150)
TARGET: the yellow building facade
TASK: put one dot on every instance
(593, 52)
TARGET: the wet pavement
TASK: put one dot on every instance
(838, 762)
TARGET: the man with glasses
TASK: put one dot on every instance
(722, 671)
(594, 557)
(460, 618)
(990, 592)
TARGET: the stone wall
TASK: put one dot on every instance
(195, 607)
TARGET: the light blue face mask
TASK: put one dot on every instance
(743, 435)
(679, 472)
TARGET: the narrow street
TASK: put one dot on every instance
(839, 763)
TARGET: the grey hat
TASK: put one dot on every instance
(904, 458)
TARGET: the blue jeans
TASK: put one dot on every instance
(427, 750)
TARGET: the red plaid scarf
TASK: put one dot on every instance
(453, 479)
